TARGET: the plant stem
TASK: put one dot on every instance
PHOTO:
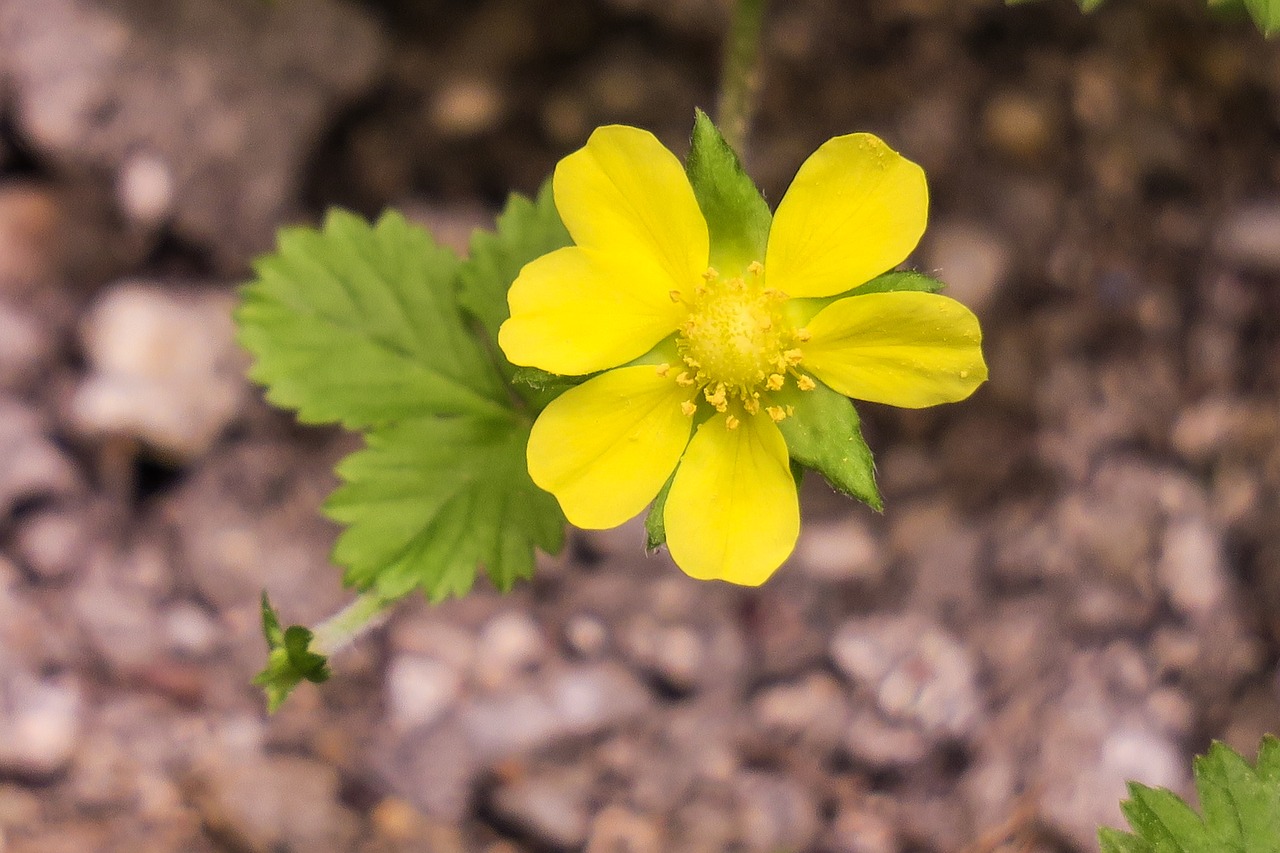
(342, 628)
(740, 77)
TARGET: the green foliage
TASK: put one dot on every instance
(897, 280)
(737, 217)
(361, 325)
(430, 498)
(290, 660)
(826, 435)
(1241, 805)
(1265, 13)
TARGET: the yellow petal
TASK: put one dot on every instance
(906, 349)
(575, 311)
(732, 513)
(855, 209)
(606, 447)
(625, 194)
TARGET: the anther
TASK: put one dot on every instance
(664, 369)
(684, 379)
(793, 356)
(688, 408)
(731, 422)
(777, 413)
(755, 268)
(804, 383)
(802, 335)
(751, 404)
(775, 382)
(711, 274)
(675, 295)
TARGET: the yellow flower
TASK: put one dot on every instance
(692, 350)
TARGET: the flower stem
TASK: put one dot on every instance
(342, 628)
(740, 77)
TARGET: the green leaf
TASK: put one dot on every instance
(525, 230)
(290, 660)
(359, 324)
(1241, 805)
(655, 524)
(1266, 14)
(825, 434)
(430, 498)
(737, 217)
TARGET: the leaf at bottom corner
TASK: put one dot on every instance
(429, 500)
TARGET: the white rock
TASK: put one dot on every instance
(972, 260)
(841, 550)
(1192, 567)
(40, 723)
(419, 690)
(509, 644)
(165, 368)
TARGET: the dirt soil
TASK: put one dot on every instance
(1076, 580)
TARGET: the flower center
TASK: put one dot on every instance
(737, 344)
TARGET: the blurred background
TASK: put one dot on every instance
(1076, 580)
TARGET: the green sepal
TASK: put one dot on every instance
(655, 524)
(897, 280)
(430, 500)
(801, 311)
(290, 660)
(825, 434)
(737, 216)
(539, 387)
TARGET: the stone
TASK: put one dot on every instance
(1192, 568)
(32, 468)
(972, 259)
(586, 636)
(204, 112)
(861, 831)
(1249, 237)
(619, 830)
(270, 803)
(672, 654)
(812, 709)
(941, 550)
(1092, 745)
(26, 348)
(843, 549)
(419, 691)
(52, 543)
(551, 807)
(120, 622)
(575, 702)
(31, 223)
(165, 369)
(878, 744)
(776, 813)
(509, 645)
(40, 723)
(191, 632)
(917, 672)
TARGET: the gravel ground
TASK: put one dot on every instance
(1076, 580)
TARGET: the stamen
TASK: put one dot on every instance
(731, 422)
(752, 404)
(793, 356)
(775, 381)
(711, 274)
(755, 268)
(804, 383)
(664, 369)
(684, 379)
(688, 408)
(776, 413)
(802, 335)
(675, 295)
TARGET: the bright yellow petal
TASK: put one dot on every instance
(732, 513)
(906, 349)
(575, 311)
(606, 447)
(855, 209)
(625, 194)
